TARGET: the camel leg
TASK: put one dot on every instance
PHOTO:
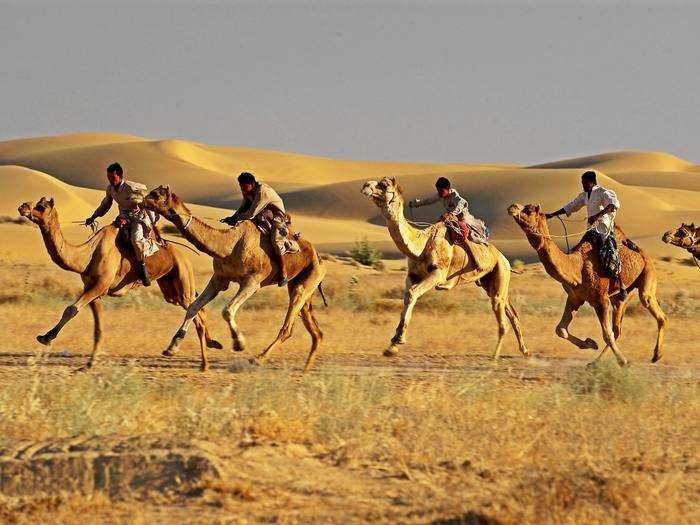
(307, 317)
(619, 308)
(97, 308)
(88, 295)
(514, 319)
(496, 285)
(650, 302)
(603, 311)
(201, 335)
(411, 295)
(214, 286)
(570, 310)
(498, 305)
(246, 290)
(300, 293)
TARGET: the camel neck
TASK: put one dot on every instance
(66, 255)
(557, 264)
(409, 240)
(212, 241)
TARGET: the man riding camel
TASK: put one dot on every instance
(129, 195)
(265, 208)
(601, 205)
(461, 225)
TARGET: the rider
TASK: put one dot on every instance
(462, 225)
(128, 196)
(265, 208)
(601, 205)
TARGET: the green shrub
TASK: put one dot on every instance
(366, 254)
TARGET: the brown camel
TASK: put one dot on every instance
(582, 276)
(106, 266)
(433, 262)
(242, 255)
(686, 236)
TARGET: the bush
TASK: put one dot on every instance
(366, 254)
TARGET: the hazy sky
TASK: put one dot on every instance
(513, 82)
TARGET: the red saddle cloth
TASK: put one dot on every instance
(458, 231)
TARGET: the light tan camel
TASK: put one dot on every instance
(582, 276)
(242, 255)
(686, 236)
(435, 263)
(106, 266)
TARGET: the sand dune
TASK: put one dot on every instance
(201, 173)
(622, 161)
(657, 190)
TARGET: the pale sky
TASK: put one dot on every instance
(519, 82)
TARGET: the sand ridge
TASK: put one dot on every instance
(657, 190)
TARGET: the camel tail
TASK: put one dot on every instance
(323, 296)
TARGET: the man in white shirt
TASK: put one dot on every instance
(128, 196)
(601, 206)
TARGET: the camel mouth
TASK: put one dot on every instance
(515, 209)
(667, 238)
(25, 209)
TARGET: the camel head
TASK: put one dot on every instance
(530, 218)
(684, 236)
(386, 194)
(39, 214)
(163, 201)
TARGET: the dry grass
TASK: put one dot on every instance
(438, 440)
(600, 445)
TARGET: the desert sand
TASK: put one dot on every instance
(657, 190)
(437, 434)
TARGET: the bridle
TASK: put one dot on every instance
(186, 223)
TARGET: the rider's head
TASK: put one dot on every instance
(115, 174)
(247, 182)
(443, 187)
(588, 180)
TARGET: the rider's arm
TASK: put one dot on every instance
(104, 206)
(257, 205)
(610, 208)
(572, 207)
(560, 211)
(418, 202)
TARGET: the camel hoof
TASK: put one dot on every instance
(526, 354)
(213, 343)
(204, 367)
(392, 351)
(169, 352)
(625, 364)
(655, 358)
(238, 346)
(44, 340)
(255, 361)
(590, 343)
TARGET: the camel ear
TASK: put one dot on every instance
(167, 189)
(51, 202)
(393, 180)
(538, 208)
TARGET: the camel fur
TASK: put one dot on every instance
(243, 255)
(433, 262)
(106, 267)
(583, 279)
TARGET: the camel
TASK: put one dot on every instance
(686, 236)
(433, 262)
(583, 279)
(106, 267)
(242, 254)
